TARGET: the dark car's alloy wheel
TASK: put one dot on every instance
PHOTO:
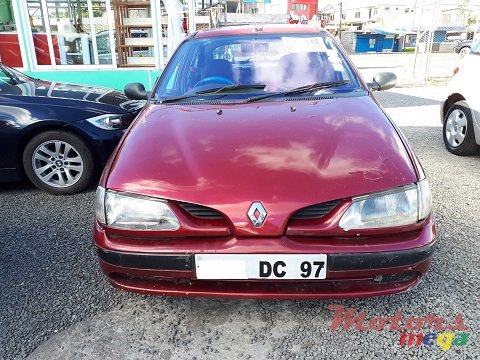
(458, 133)
(58, 162)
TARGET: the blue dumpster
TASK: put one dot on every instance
(390, 44)
(369, 43)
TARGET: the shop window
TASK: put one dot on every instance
(9, 46)
(103, 32)
(134, 33)
(299, 7)
(76, 32)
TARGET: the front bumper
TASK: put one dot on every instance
(394, 264)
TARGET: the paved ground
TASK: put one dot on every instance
(409, 69)
(55, 304)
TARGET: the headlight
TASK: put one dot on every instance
(403, 206)
(124, 211)
(100, 205)
(107, 121)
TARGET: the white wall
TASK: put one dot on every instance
(277, 7)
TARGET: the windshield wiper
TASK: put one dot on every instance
(300, 90)
(228, 88)
(316, 86)
(214, 91)
(171, 99)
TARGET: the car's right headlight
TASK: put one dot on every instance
(107, 121)
(402, 206)
(126, 211)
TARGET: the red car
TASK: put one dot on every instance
(263, 167)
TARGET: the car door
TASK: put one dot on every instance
(14, 117)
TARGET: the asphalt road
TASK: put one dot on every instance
(55, 303)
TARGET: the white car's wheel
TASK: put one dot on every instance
(458, 133)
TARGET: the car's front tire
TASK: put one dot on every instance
(464, 51)
(59, 162)
(458, 133)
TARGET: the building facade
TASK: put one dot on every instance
(306, 9)
(72, 40)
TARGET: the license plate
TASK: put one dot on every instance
(258, 266)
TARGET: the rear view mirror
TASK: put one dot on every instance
(135, 91)
(383, 81)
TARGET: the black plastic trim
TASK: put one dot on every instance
(336, 262)
(385, 259)
(147, 261)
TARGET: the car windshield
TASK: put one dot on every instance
(256, 64)
(16, 76)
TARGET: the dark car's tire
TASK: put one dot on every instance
(458, 133)
(59, 162)
(464, 51)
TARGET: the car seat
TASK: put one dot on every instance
(218, 68)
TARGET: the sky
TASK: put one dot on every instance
(410, 3)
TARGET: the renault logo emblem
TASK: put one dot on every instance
(257, 214)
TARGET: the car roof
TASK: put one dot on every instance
(259, 29)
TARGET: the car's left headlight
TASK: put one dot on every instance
(107, 121)
(126, 211)
(402, 206)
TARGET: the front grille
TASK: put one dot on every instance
(200, 211)
(315, 211)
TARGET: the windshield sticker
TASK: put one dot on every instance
(304, 44)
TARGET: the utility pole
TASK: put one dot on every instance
(340, 23)
(225, 12)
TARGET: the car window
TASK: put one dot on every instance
(280, 61)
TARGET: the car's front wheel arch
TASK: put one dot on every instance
(31, 133)
(452, 99)
(92, 157)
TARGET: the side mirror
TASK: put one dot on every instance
(135, 91)
(383, 81)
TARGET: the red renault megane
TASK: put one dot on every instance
(262, 166)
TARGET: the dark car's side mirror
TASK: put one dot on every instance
(135, 91)
(383, 81)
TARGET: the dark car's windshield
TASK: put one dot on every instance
(11, 76)
(269, 62)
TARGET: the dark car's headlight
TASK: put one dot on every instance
(126, 211)
(107, 121)
(403, 206)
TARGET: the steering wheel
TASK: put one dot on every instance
(214, 79)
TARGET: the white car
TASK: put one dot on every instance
(460, 112)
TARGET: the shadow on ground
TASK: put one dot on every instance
(393, 99)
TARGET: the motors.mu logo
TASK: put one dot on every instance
(441, 335)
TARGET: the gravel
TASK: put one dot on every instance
(52, 288)
(49, 273)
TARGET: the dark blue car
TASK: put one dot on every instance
(58, 134)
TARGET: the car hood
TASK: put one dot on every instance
(79, 92)
(286, 154)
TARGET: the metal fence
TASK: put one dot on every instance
(445, 32)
